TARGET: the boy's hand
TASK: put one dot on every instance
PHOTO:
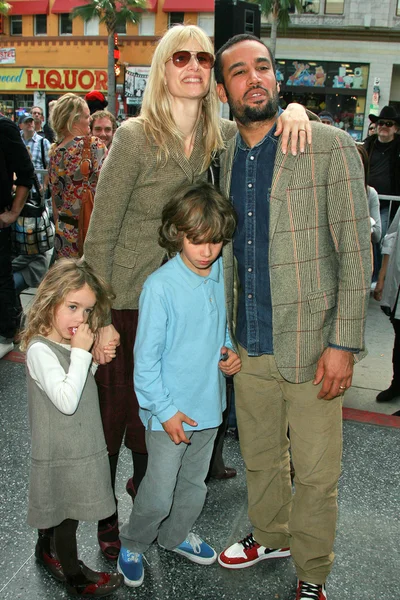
(174, 427)
(83, 337)
(232, 364)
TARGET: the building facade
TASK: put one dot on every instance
(44, 53)
(342, 56)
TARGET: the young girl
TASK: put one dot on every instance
(182, 336)
(70, 474)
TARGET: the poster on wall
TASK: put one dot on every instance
(7, 56)
(324, 74)
(135, 84)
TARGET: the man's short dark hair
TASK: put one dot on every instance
(236, 39)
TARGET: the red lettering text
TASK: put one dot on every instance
(70, 78)
(101, 80)
(86, 74)
(29, 83)
(53, 80)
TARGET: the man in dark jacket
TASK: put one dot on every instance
(383, 150)
(14, 159)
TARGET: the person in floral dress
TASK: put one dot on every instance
(70, 121)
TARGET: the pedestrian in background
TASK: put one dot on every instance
(70, 120)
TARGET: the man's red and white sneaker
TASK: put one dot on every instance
(248, 552)
(310, 591)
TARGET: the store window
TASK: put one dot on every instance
(311, 7)
(334, 7)
(40, 24)
(7, 106)
(65, 24)
(147, 24)
(249, 21)
(339, 88)
(176, 18)
(16, 25)
(121, 28)
(398, 9)
(206, 22)
(92, 26)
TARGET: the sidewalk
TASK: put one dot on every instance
(368, 532)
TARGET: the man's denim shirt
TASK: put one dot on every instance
(250, 191)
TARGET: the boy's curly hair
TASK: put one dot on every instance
(201, 213)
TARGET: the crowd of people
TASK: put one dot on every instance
(215, 249)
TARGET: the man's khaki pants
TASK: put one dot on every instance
(265, 405)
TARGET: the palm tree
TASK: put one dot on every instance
(4, 8)
(280, 16)
(112, 13)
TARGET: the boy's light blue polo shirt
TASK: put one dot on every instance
(182, 328)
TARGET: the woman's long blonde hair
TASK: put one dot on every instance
(65, 276)
(66, 111)
(156, 113)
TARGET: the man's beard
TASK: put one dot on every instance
(253, 114)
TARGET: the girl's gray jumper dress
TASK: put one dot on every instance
(70, 473)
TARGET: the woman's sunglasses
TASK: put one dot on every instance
(182, 58)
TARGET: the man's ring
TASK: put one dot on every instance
(342, 387)
(301, 129)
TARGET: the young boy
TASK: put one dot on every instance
(181, 346)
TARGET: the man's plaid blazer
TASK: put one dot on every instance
(319, 253)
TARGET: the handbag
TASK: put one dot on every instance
(87, 199)
(33, 232)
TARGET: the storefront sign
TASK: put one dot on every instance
(135, 84)
(7, 56)
(55, 80)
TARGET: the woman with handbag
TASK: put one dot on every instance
(75, 162)
(172, 142)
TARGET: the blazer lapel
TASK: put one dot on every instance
(282, 175)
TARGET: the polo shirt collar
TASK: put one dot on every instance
(192, 278)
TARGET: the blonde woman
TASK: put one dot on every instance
(70, 121)
(170, 144)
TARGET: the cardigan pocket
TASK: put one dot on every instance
(322, 300)
(124, 257)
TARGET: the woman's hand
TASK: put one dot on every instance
(111, 349)
(294, 122)
(104, 337)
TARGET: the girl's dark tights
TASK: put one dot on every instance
(67, 551)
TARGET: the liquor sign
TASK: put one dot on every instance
(54, 80)
(7, 56)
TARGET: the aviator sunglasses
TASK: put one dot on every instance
(181, 58)
(386, 123)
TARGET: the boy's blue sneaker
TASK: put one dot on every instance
(196, 550)
(130, 564)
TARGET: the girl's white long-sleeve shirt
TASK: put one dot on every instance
(63, 389)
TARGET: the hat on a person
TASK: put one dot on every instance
(25, 118)
(326, 116)
(95, 101)
(387, 113)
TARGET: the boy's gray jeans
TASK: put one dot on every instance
(172, 493)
